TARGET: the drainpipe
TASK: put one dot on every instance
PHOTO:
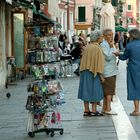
(68, 18)
(68, 25)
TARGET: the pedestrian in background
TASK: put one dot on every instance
(62, 42)
(88, 39)
(126, 39)
(121, 41)
(110, 71)
(132, 54)
(76, 54)
(82, 38)
(91, 68)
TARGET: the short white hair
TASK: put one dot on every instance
(95, 35)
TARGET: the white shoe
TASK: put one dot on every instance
(111, 112)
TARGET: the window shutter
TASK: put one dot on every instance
(81, 14)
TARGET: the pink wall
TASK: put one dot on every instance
(89, 9)
(133, 13)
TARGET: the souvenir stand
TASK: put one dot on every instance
(46, 91)
(43, 115)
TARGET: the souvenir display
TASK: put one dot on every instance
(42, 105)
(43, 50)
(46, 92)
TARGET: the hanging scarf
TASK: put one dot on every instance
(92, 59)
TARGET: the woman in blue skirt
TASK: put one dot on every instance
(91, 68)
(132, 54)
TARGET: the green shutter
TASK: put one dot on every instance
(114, 2)
(81, 14)
(129, 7)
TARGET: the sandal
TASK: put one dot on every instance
(86, 114)
(135, 114)
(96, 114)
(98, 103)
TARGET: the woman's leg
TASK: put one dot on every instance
(108, 102)
(86, 106)
(136, 109)
(136, 105)
(104, 105)
(94, 106)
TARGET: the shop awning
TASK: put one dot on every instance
(50, 21)
(42, 20)
(42, 1)
(120, 29)
(41, 15)
(25, 3)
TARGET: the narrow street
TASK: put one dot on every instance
(13, 115)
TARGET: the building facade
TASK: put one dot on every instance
(132, 14)
(14, 13)
(67, 17)
(84, 16)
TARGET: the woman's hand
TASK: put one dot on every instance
(116, 53)
(111, 44)
(116, 45)
(102, 78)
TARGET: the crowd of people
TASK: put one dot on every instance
(97, 55)
(75, 48)
(121, 39)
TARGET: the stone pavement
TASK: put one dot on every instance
(13, 115)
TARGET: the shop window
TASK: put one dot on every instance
(81, 14)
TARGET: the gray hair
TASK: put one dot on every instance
(106, 31)
(134, 33)
(95, 35)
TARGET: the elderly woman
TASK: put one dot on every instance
(91, 68)
(110, 71)
(132, 53)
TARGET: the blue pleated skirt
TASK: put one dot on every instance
(90, 88)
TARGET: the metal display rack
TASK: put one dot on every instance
(43, 115)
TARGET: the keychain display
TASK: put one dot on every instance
(46, 92)
(42, 106)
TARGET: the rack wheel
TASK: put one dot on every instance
(31, 134)
(61, 132)
(52, 134)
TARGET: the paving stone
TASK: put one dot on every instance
(13, 115)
